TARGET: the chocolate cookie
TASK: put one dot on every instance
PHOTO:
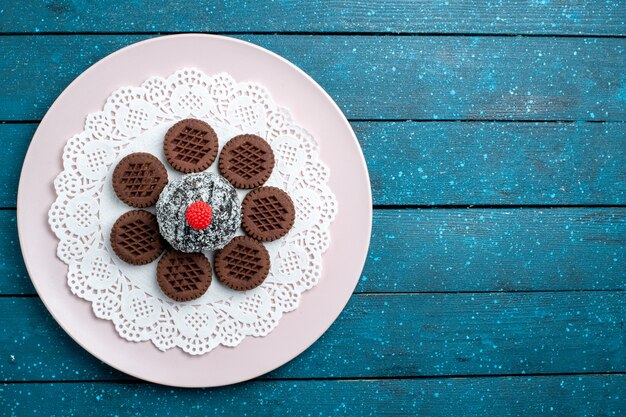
(190, 146)
(184, 276)
(246, 161)
(268, 213)
(243, 264)
(135, 237)
(138, 179)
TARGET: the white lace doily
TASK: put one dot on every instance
(136, 118)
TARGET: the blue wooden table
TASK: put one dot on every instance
(495, 135)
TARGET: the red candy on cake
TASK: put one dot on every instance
(199, 215)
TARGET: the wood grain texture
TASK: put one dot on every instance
(501, 250)
(15, 141)
(435, 250)
(590, 395)
(14, 278)
(457, 163)
(379, 77)
(391, 335)
(495, 163)
(407, 16)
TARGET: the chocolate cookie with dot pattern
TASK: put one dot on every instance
(267, 213)
(246, 161)
(243, 264)
(138, 179)
(184, 276)
(135, 237)
(190, 146)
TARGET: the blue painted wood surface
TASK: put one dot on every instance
(495, 280)
(378, 77)
(594, 395)
(585, 395)
(415, 16)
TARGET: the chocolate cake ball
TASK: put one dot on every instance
(198, 212)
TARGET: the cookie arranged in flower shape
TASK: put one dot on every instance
(138, 179)
(135, 237)
(190, 146)
(184, 276)
(243, 264)
(247, 161)
(268, 213)
(200, 211)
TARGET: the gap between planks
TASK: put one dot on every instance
(385, 294)
(332, 33)
(358, 120)
(344, 379)
(468, 206)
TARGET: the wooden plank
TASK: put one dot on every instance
(495, 163)
(379, 77)
(392, 335)
(421, 16)
(496, 250)
(15, 141)
(435, 250)
(457, 163)
(589, 395)
(14, 278)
